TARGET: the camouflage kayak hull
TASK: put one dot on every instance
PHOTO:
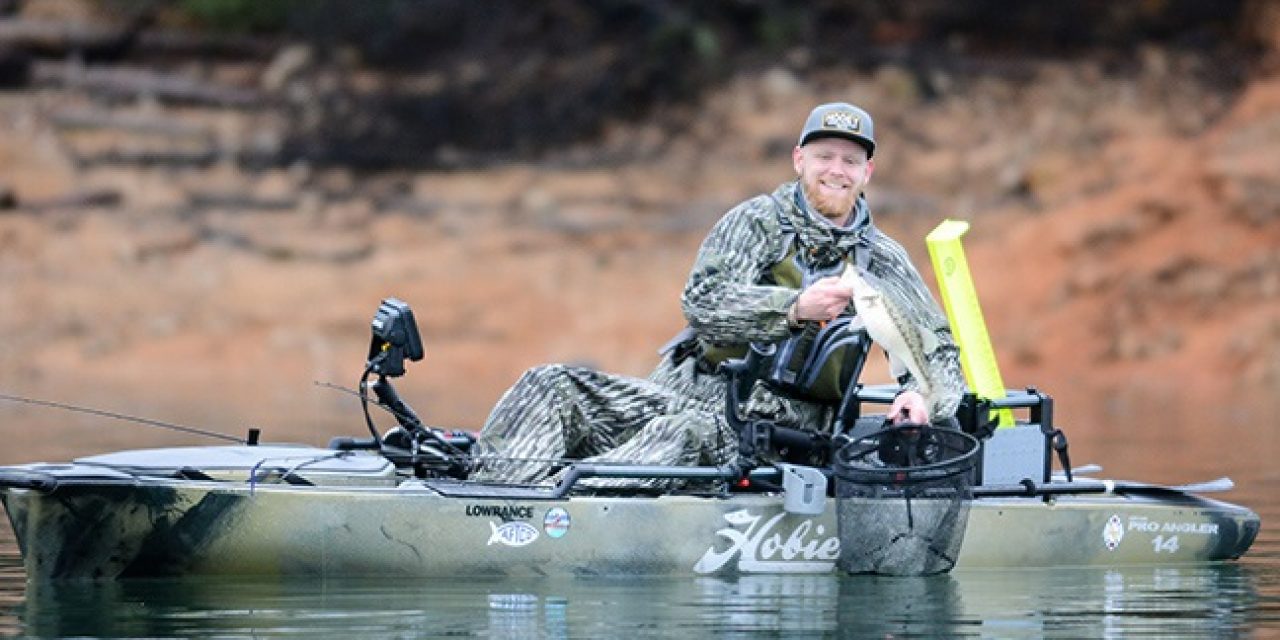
(105, 517)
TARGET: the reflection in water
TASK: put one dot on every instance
(11, 579)
(753, 603)
(1190, 602)
(892, 607)
(1171, 602)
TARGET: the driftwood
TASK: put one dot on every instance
(57, 35)
(205, 45)
(74, 200)
(240, 201)
(62, 38)
(178, 143)
(148, 157)
(188, 144)
(149, 124)
(131, 83)
(177, 158)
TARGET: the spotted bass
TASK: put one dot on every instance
(907, 340)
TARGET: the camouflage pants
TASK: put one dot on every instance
(556, 411)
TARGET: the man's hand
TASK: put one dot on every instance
(909, 407)
(823, 300)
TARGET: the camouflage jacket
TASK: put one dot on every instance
(724, 300)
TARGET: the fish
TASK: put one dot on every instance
(908, 343)
(512, 534)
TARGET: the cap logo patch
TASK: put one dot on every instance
(842, 120)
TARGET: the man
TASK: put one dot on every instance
(768, 273)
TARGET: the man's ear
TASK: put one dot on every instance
(797, 157)
(871, 168)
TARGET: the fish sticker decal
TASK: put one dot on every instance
(512, 534)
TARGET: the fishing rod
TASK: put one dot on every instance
(252, 439)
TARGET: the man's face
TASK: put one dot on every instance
(833, 172)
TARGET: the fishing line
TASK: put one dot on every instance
(365, 401)
(121, 416)
(256, 475)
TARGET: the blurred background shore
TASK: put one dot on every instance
(202, 202)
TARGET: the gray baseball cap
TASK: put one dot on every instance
(840, 120)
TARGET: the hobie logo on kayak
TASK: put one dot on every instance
(763, 547)
(512, 534)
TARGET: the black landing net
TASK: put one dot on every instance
(902, 498)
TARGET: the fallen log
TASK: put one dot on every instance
(61, 38)
(150, 124)
(131, 83)
(204, 156)
(177, 158)
(58, 36)
(81, 199)
(240, 201)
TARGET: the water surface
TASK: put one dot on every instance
(1231, 600)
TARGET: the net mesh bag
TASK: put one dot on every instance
(902, 499)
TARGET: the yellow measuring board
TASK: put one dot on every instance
(977, 357)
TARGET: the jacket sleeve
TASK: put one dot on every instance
(900, 278)
(723, 299)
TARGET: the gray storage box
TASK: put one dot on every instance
(1013, 454)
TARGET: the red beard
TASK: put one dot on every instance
(833, 207)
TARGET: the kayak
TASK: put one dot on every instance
(300, 511)
(896, 500)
